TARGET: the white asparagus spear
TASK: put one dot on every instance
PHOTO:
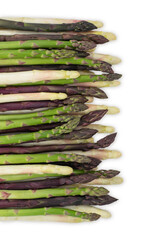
(98, 24)
(52, 142)
(91, 209)
(35, 76)
(106, 181)
(35, 169)
(99, 84)
(47, 218)
(93, 107)
(101, 154)
(104, 57)
(31, 97)
(100, 128)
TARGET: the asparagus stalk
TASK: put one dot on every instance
(82, 79)
(38, 27)
(90, 209)
(48, 211)
(105, 181)
(56, 44)
(49, 112)
(57, 202)
(35, 169)
(15, 36)
(61, 181)
(94, 64)
(104, 57)
(52, 192)
(4, 107)
(29, 77)
(104, 142)
(42, 158)
(85, 91)
(101, 84)
(98, 24)
(47, 218)
(40, 53)
(21, 138)
(93, 107)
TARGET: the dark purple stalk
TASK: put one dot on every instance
(69, 90)
(63, 36)
(57, 201)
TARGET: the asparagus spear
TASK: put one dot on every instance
(20, 138)
(104, 142)
(94, 64)
(52, 192)
(98, 39)
(35, 169)
(82, 79)
(48, 211)
(61, 181)
(4, 107)
(29, 77)
(38, 27)
(40, 53)
(49, 112)
(98, 24)
(42, 158)
(104, 57)
(85, 91)
(47, 218)
(56, 44)
(57, 202)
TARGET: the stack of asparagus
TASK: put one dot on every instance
(48, 156)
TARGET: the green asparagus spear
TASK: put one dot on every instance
(32, 44)
(52, 192)
(48, 211)
(40, 53)
(95, 64)
(42, 158)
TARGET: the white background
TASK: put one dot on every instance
(136, 23)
